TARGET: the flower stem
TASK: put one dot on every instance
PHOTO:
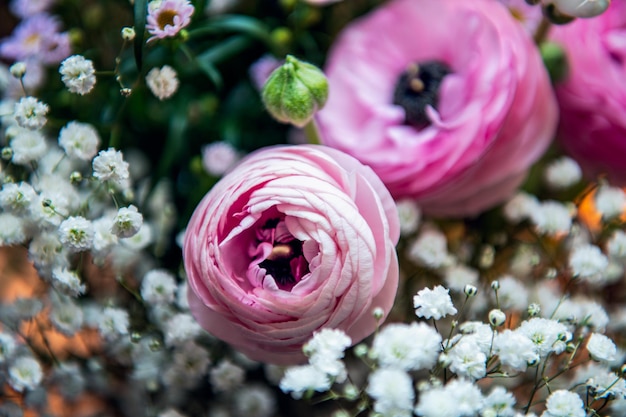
(312, 132)
(542, 30)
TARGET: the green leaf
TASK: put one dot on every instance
(141, 11)
(234, 23)
(210, 71)
(230, 47)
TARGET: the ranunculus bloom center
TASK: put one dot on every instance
(280, 254)
(166, 17)
(417, 88)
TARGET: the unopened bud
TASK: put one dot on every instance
(470, 290)
(570, 347)
(554, 59)
(128, 33)
(7, 153)
(360, 350)
(378, 313)
(495, 285)
(497, 317)
(579, 8)
(76, 177)
(126, 92)
(295, 91)
(18, 69)
(534, 309)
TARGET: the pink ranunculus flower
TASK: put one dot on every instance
(592, 98)
(448, 101)
(293, 240)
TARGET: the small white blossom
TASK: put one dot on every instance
(410, 215)
(616, 245)
(458, 398)
(68, 282)
(226, 376)
(588, 263)
(18, 69)
(79, 140)
(392, 391)
(180, 328)
(563, 403)
(30, 113)
(162, 82)
(17, 198)
(28, 146)
(299, 379)
(512, 294)
(254, 401)
(430, 249)
(552, 218)
(25, 374)
(458, 276)
(158, 287)
(520, 207)
(103, 239)
(499, 403)
(610, 202)
(328, 342)
(435, 303)
(8, 346)
(78, 74)
(12, 230)
(113, 323)
(76, 233)
(66, 316)
(601, 348)
(128, 33)
(219, 157)
(515, 350)
(408, 347)
(547, 335)
(607, 385)
(127, 222)
(109, 165)
(562, 173)
(467, 360)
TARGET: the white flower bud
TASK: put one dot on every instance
(495, 285)
(497, 317)
(579, 8)
(470, 290)
(128, 33)
(378, 313)
(18, 69)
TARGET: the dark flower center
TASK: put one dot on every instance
(417, 87)
(165, 18)
(286, 262)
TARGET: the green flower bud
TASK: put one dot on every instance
(295, 91)
(554, 60)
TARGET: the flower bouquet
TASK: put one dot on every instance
(277, 208)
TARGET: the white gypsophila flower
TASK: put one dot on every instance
(180, 328)
(12, 230)
(226, 376)
(467, 395)
(67, 282)
(562, 173)
(592, 314)
(76, 233)
(103, 239)
(127, 222)
(467, 360)
(392, 391)
(219, 157)
(607, 385)
(412, 346)
(113, 323)
(479, 333)
(79, 140)
(57, 198)
(499, 403)
(430, 249)
(601, 348)
(254, 401)
(158, 287)
(47, 252)
(512, 294)
(458, 276)
(17, 198)
(66, 316)
(552, 218)
(162, 82)
(30, 113)
(547, 335)
(435, 303)
(109, 165)
(8, 346)
(616, 245)
(299, 379)
(436, 402)
(193, 358)
(515, 350)
(587, 262)
(182, 302)
(170, 412)
(328, 342)
(525, 259)
(563, 403)
(520, 207)
(25, 373)
(610, 202)
(28, 146)
(148, 365)
(78, 74)
(410, 216)
(69, 379)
